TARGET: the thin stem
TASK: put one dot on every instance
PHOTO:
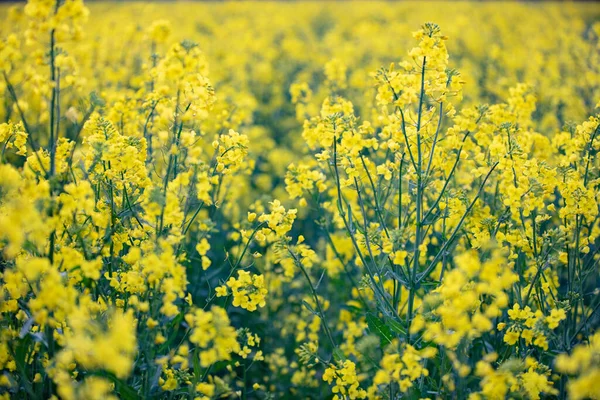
(435, 140)
(53, 101)
(316, 297)
(400, 191)
(30, 138)
(447, 181)
(419, 209)
(377, 207)
(458, 227)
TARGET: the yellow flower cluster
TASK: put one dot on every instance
(13, 135)
(278, 222)
(583, 363)
(513, 378)
(248, 290)
(402, 369)
(346, 381)
(471, 296)
(212, 332)
(87, 346)
(529, 325)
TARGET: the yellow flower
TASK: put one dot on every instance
(248, 290)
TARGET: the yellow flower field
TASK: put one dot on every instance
(299, 200)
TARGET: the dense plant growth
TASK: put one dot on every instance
(299, 201)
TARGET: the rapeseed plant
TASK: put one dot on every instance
(263, 211)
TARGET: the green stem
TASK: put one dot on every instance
(316, 297)
(456, 229)
(419, 206)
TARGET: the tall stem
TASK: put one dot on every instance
(54, 100)
(315, 296)
(419, 207)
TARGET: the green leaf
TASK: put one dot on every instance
(338, 355)
(432, 284)
(196, 363)
(22, 349)
(174, 332)
(377, 326)
(350, 224)
(125, 391)
(395, 326)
